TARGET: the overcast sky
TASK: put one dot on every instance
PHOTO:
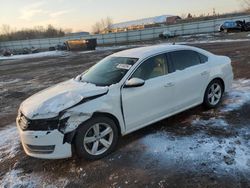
(80, 15)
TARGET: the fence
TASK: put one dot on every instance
(198, 27)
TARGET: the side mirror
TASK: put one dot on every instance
(135, 82)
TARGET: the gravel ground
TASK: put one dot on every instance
(197, 148)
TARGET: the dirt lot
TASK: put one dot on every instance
(197, 148)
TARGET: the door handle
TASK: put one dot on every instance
(204, 73)
(169, 84)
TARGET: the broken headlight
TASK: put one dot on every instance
(27, 124)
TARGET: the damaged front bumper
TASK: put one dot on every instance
(49, 138)
(45, 144)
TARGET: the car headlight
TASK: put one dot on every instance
(23, 122)
(27, 124)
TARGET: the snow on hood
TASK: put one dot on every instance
(49, 102)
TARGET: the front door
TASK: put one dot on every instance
(145, 104)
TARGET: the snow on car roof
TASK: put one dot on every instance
(144, 52)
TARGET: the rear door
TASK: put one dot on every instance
(191, 76)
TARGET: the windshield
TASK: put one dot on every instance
(108, 71)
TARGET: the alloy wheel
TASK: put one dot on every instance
(214, 94)
(98, 138)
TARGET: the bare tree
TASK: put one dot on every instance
(183, 15)
(39, 28)
(108, 23)
(104, 25)
(5, 29)
(189, 16)
(246, 4)
(97, 28)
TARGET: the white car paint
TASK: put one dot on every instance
(44, 138)
(57, 98)
(133, 108)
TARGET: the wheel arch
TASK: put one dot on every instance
(111, 116)
(206, 102)
(221, 81)
(77, 142)
(70, 136)
(216, 78)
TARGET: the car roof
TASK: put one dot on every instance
(144, 52)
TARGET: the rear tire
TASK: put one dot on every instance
(213, 94)
(96, 138)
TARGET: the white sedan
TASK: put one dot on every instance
(122, 93)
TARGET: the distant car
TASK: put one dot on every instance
(7, 52)
(247, 26)
(238, 25)
(166, 34)
(122, 93)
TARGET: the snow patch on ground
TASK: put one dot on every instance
(214, 122)
(19, 179)
(235, 153)
(229, 153)
(2, 83)
(238, 96)
(9, 142)
(198, 149)
(86, 52)
(36, 55)
(14, 178)
(197, 35)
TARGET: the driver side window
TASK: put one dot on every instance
(151, 68)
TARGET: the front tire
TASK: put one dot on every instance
(213, 94)
(96, 138)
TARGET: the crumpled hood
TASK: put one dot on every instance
(49, 102)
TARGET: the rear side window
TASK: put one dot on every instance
(184, 59)
(203, 58)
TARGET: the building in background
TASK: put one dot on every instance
(144, 23)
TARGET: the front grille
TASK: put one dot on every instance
(37, 125)
(39, 149)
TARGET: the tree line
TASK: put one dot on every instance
(7, 34)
